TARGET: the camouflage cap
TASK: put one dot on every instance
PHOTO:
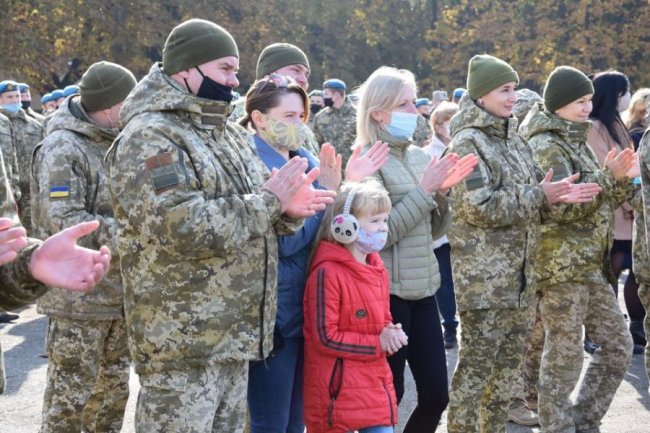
(105, 84)
(277, 56)
(564, 85)
(195, 42)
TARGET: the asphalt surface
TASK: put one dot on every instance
(23, 344)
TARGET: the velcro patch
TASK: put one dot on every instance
(162, 172)
(60, 184)
(475, 180)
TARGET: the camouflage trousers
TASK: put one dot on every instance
(87, 384)
(525, 385)
(644, 295)
(564, 310)
(488, 361)
(199, 400)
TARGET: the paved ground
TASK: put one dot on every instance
(20, 406)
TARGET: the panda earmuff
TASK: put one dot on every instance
(345, 227)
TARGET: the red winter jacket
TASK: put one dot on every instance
(348, 384)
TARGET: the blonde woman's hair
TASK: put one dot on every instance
(443, 113)
(380, 92)
(370, 198)
(636, 112)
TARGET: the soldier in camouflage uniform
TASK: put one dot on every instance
(337, 122)
(28, 132)
(288, 59)
(197, 224)
(9, 154)
(26, 102)
(494, 235)
(88, 372)
(572, 262)
(641, 244)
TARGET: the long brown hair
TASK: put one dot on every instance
(267, 93)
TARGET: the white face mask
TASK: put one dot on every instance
(402, 125)
(290, 136)
(371, 242)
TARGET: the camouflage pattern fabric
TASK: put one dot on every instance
(641, 243)
(196, 235)
(34, 115)
(87, 383)
(490, 351)
(423, 132)
(8, 149)
(69, 186)
(337, 127)
(27, 134)
(525, 385)
(564, 309)
(497, 213)
(184, 400)
(526, 99)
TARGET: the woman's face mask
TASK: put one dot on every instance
(290, 136)
(402, 125)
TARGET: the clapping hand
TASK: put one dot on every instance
(330, 167)
(361, 166)
(12, 240)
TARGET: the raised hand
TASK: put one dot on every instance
(554, 190)
(581, 193)
(460, 171)
(361, 166)
(12, 240)
(60, 262)
(620, 164)
(635, 168)
(330, 167)
(436, 172)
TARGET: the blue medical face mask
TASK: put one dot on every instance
(402, 125)
(371, 242)
(12, 108)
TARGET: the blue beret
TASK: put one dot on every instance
(57, 94)
(459, 92)
(422, 101)
(70, 90)
(23, 87)
(46, 98)
(334, 83)
(8, 86)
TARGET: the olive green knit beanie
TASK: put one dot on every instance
(565, 85)
(195, 42)
(485, 73)
(105, 84)
(277, 56)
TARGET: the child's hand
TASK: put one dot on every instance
(392, 338)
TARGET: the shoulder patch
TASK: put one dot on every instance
(60, 184)
(162, 172)
(475, 179)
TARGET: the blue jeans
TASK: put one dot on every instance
(275, 391)
(445, 295)
(377, 429)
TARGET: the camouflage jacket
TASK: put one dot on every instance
(423, 133)
(196, 234)
(69, 186)
(337, 127)
(496, 213)
(575, 244)
(641, 235)
(416, 219)
(8, 149)
(34, 115)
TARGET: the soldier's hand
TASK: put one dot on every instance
(330, 167)
(620, 164)
(359, 167)
(12, 240)
(553, 191)
(635, 168)
(60, 262)
(581, 193)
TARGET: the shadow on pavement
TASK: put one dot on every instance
(20, 360)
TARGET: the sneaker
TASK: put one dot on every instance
(8, 317)
(521, 415)
(450, 339)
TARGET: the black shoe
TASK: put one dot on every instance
(450, 339)
(8, 317)
(638, 349)
(590, 346)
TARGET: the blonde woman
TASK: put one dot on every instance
(635, 117)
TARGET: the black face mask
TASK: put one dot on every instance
(328, 102)
(212, 90)
(26, 104)
(315, 108)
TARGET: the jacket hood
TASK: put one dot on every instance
(158, 92)
(539, 121)
(472, 116)
(333, 252)
(72, 117)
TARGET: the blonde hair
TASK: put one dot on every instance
(370, 198)
(443, 113)
(380, 92)
(639, 106)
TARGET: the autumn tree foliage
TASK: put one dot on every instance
(49, 43)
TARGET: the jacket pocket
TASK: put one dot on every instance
(336, 380)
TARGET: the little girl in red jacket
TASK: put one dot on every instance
(348, 327)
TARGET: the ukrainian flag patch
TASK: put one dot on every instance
(59, 191)
(60, 185)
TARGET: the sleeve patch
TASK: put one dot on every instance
(162, 172)
(475, 180)
(60, 184)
